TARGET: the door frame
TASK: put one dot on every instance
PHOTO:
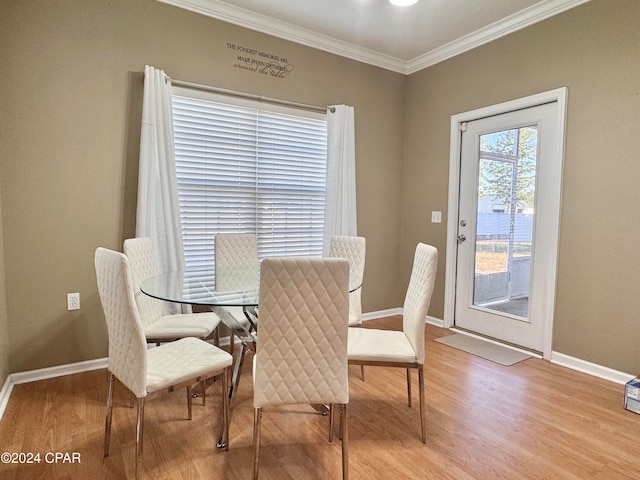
(548, 275)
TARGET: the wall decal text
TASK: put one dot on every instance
(258, 61)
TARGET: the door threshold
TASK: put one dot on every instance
(510, 346)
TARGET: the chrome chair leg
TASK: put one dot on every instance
(235, 379)
(409, 385)
(331, 420)
(225, 406)
(203, 384)
(107, 422)
(232, 342)
(423, 423)
(359, 325)
(139, 437)
(345, 441)
(257, 424)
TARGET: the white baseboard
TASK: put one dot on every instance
(381, 314)
(590, 368)
(399, 311)
(58, 371)
(435, 321)
(5, 393)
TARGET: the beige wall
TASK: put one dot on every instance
(594, 50)
(4, 323)
(70, 110)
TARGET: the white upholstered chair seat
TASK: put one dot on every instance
(170, 327)
(182, 360)
(370, 345)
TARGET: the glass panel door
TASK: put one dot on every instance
(504, 219)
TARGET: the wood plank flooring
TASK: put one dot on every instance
(533, 420)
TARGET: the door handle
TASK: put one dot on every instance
(461, 237)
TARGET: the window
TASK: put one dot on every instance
(248, 167)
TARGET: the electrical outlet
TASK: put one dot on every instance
(73, 301)
(436, 217)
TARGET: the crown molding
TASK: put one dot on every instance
(513, 23)
(277, 28)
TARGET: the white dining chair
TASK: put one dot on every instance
(353, 249)
(302, 341)
(236, 268)
(404, 349)
(158, 327)
(187, 361)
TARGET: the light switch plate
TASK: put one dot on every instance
(436, 217)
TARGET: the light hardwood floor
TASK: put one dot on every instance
(533, 420)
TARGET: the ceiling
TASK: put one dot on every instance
(402, 39)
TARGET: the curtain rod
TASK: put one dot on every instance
(224, 91)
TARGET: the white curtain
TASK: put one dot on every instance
(340, 203)
(158, 213)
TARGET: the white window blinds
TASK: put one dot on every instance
(249, 170)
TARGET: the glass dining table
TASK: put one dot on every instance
(197, 287)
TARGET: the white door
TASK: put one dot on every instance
(509, 184)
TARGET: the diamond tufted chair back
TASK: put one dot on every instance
(127, 342)
(236, 261)
(236, 268)
(353, 249)
(139, 252)
(418, 296)
(302, 339)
